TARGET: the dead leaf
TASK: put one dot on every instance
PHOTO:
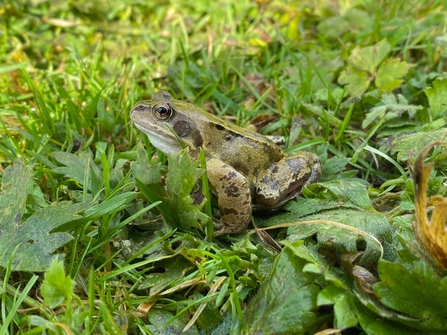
(261, 120)
(432, 235)
(268, 240)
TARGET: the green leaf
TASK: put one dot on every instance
(344, 316)
(345, 230)
(418, 292)
(342, 301)
(162, 322)
(333, 27)
(437, 96)
(76, 166)
(372, 324)
(15, 187)
(146, 171)
(286, 301)
(357, 18)
(369, 58)
(182, 177)
(337, 193)
(173, 269)
(390, 73)
(56, 286)
(349, 208)
(390, 107)
(409, 146)
(333, 166)
(357, 81)
(30, 243)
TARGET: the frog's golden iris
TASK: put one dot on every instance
(247, 170)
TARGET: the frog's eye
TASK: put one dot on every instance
(163, 111)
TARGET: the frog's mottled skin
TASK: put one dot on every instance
(247, 170)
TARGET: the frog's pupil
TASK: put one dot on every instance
(163, 112)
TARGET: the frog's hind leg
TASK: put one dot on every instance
(234, 197)
(285, 179)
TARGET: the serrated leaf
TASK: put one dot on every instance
(372, 324)
(344, 316)
(437, 96)
(30, 243)
(286, 301)
(342, 301)
(333, 27)
(15, 186)
(390, 107)
(408, 146)
(182, 177)
(353, 192)
(369, 58)
(344, 231)
(357, 18)
(390, 73)
(56, 286)
(337, 193)
(418, 292)
(75, 167)
(334, 166)
(162, 322)
(177, 206)
(144, 170)
(356, 81)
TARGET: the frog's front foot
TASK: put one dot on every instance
(234, 197)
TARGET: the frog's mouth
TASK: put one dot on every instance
(162, 139)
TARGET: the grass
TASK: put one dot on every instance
(350, 81)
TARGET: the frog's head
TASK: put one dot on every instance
(163, 115)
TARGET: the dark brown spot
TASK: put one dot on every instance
(231, 174)
(227, 211)
(219, 127)
(162, 95)
(198, 140)
(232, 191)
(182, 128)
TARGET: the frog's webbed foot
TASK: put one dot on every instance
(234, 197)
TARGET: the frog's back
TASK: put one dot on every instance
(247, 151)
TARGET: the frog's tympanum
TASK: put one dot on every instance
(248, 171)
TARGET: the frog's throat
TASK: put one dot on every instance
(165, 142)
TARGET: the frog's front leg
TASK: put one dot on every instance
(285, 179)
(234, 197)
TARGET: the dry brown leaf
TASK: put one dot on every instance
(261, 120)
(432, 235)
(268, 240)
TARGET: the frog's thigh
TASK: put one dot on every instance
(285, 179)
(233, 192)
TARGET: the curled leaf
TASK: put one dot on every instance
(432, 235)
